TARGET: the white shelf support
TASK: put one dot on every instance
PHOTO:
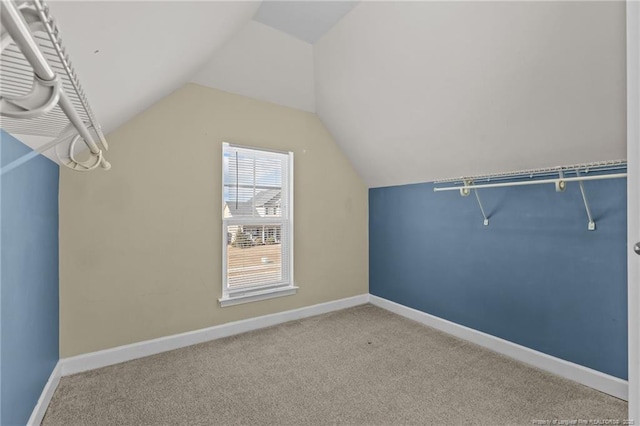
(466, 190)
(560, 184)
(484, 215)
(605, 170)
(39, 84)
(591, 225)
(532, 182)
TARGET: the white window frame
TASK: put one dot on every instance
(255, 293)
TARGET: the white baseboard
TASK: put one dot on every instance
(578, 373)
(66, 366)
(47, 393)
(120, 354)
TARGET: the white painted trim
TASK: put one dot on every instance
(578, 373)
(224, 231)
(66, 366)
(633, 204)
(120, 354)
(257, 295)
(45, 397)
(291, 230)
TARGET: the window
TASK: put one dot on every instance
(257, 224)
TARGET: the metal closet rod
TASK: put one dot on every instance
(18, 29)
(559, 182)
(53, 33)
(601, 166)
(577, 169)
(532, 182)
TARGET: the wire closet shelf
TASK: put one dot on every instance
(557, 176)
(40, 94)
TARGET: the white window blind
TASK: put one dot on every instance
(257, 221)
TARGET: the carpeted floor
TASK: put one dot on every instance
(361, 365)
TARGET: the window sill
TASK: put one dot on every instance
(254, 296)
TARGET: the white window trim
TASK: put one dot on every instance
(268, 291)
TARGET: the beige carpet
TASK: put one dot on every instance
(362, 365)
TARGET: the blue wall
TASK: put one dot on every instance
(535, 276)
(29, 281)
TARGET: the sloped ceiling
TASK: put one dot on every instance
(415, 91)
(411, 91)
(263, 63)
(129, 55)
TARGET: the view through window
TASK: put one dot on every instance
(256, 219)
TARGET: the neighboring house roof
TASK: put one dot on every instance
(241, 208)
(269, 197)
(266, 198)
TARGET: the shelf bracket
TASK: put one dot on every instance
(560, 184)
(592, 224)
(484, 216)
(465, 193)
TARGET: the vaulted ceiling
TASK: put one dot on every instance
(411, 91)
(417, 91)
(130, 54)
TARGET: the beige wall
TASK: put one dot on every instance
(140, 245)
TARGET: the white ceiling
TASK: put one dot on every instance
(411, 91)
(263, 63)
(306, 20)
(129, 55)
(415, 91)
